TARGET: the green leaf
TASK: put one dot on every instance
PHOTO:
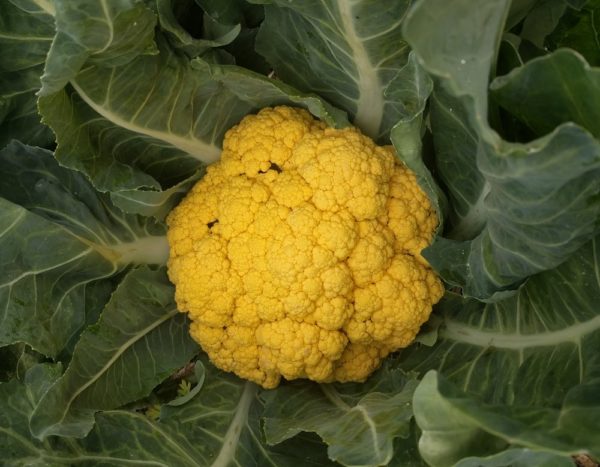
(214, 34)
(16, 360)
(554, 317)
(115, 157)
(358, 422)
(518, 458)
(526, 366)
(244, 52)
(28, 359)
(199, 376)
(226, 11)
(224, 422)
(24, 41)
(16, 404)
(153, 123)
(410, 89)
(518, 11)
(517, 209)
(57, 237)
(463, 65)
(568, 91)
(465, 57)
(25, 36)
(103, 33)
(542, 204)
(347, 52)
(151, 202)
(579, 29)
(9, 359)
(542, 20)
(447, 435)
(406, 451)
(19, 119)
(139, 341)
(577, 4)
(260, 91)
(455, 425)
(221, 425)
(96, 297)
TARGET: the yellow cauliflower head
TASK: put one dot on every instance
(298, 254)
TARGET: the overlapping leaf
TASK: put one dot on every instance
(155, 122)
(518, 458)
(442, 412)
(139, 341)
(518, 379)
(554, 317)
(25, 37)
(568, 90)
(58, 236)
(346, 51)
(578, 29)
(19, 119)
(103, 32)
(518, 209)
(410, 91)
(24, 41)
(219, 426)
(358, 422)
(215, 33)
(533, 357)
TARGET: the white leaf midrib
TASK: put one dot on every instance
(46, 6)
(118, 353)
(232, 436)
(333, 396)
(465, 334)
(191, 145)
(370, 104)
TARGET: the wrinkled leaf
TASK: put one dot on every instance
(151, 202)
(213, 33)
(568, 90)
(347, 52)
(153, 123)
(542, 20)
(579, 29)
(533, 358)
(410, 89)
(518, 209)
(104, 33)
(58, 236)
(219, 426)
(138, 342)
(19, 119)
(518, 458)
(455, 426)
(554, 317)
(358, 422)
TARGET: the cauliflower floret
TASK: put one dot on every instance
(298, 254)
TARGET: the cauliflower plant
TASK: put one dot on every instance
(298, 254)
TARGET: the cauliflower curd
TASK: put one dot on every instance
(298, 254)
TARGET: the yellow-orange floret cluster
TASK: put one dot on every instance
(299, 253)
